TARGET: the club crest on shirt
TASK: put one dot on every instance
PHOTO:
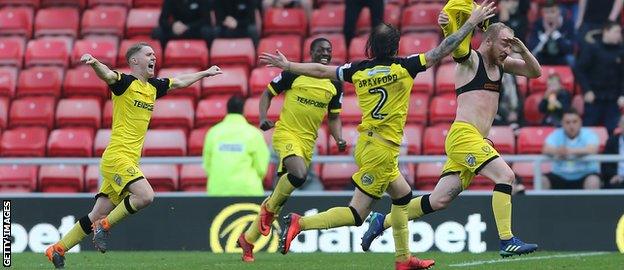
(367, 179)
(471, 160)
(487, 149)
(289, 147)
(117, 179)
(131, 170)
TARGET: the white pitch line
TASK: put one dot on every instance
(528, 259)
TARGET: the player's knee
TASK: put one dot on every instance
(297, 179)
(144, 199)
(507, 177)
(356, 216)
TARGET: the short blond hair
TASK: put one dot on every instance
(134, 49)
(493, 30)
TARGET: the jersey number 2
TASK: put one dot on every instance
(384, 96)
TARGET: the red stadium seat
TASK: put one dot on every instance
(12, 51)
(327, 19)
(32, 111)
(339, 48)
(322, 3)
(337, 176)
(427, 175)
(81, 4)
(104, 20)
(349, 134)
(420, 17)
(92, 178)
(211, 110)
(525, 171)
(415, 43)
(251, 109)
(107, 115)
(126, 43)
(82, 81)
(233, 51)
(30, 3)
(104, 50)
(40, 81)
(357, 49)
(177, 113)
(351, 112)
(186, 53)
(260, 78)
(162, 177)
(16, 21)
(70, 142)
(285, 21)
(46, 51)
(412, 139)
(18, 178)
(193, 178)
(233, 81)
(418, 108)
(24, 142)
(57, 21)
(531, 109)
(61, 178)
(102, 138)
(433, 139)
(445, 79)
(196, 141)
(392, 15)
(424, 82)
(8, 81)
(565, 74)
(124, 3)
(503, 139)
(148, 3)
(289, 45)
(442, 109)
(141, 21)
(4, 112)
(193, 90)
(165, 142)
(532, 139)
(602, 134)
(85, 112)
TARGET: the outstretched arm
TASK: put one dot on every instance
(102, 71)
(185, 80)
(527, 66)
(307, 69)
(450, 43)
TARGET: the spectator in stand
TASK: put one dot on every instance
(566, 145)
(613, 172)
(600, 73)
(594, 14)
(305, 4)
(556, 100)
(513, 13)
(237, 19)
(235, 156)
(187, 19)
(352, 12)
(510, 103)
(552, 37)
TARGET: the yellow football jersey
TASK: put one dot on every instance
(306, 102)
(383, 88)
(133, 103)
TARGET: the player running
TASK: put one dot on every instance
(477, 80)
(307, 100)
(383, 86)
(124, 189)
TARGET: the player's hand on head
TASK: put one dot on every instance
(274, 60)
(87, 59)
(266, 124)
(482, 12)
(443, 18)
(342, 145)
(214, 70)
(516, 44)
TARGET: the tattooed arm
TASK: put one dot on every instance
(479, 14)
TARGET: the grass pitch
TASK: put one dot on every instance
(322, 261)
